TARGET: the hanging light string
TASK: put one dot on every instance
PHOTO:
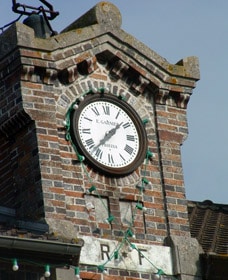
(93, 188)
(100, 268)
(129, 232)
(16, 263)
(143, 182)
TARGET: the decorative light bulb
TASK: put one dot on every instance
(15, 266)
(94, 89)
(110, 219)
(75, 106)
(159, 273)
(47, 272)
(140, 207)
(116, 255)
(64, 123)
(130, 233)
(81, 158)
(91, 189)
(149, 154)
(145, 121)
(77, 273)
(133, 246)
(123, 95)
(117, 258)
(81, 98)
(102, 269)
(106, 90)
(146, 182)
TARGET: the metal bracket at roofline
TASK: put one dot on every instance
(28, 10)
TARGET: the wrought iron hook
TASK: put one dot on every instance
(24, 11)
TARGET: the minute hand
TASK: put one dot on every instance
(108, 135)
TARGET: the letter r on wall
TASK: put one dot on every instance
(105, 251)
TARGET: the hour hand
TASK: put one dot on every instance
(107, 136)
(102, 142)
(111, 132)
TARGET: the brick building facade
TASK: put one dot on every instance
(45, 184)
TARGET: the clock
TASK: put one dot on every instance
(109, 133)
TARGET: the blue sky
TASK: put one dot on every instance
(177, 29)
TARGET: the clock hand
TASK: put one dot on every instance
(111, 132)
(107, 136)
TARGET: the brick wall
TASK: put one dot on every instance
(63, 179)
(20, 174)
(20, 185)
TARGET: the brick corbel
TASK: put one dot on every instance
(141, 85)
(119, 68)
(27, 71)
(91, 64)
(88, 65)
(50, 76)
(161, 96)
(181, 99)
(176, 99)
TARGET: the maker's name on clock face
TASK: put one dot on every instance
(109, 133)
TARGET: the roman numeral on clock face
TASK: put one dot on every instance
(95, 110)
(88, 119)
(130, 137)
(110, 158)
(117, 115)
(122, 157)
(90, 143)
(126, 125)
(106, 110)
(99, 153)
(86, 130)
(128, 149)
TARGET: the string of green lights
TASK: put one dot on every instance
(129, 232)
(16, 263)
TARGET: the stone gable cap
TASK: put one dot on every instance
(104, 13)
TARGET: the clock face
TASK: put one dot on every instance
(109, 133)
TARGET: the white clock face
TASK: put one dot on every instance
(108, 134)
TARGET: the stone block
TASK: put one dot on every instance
(185, 255)
(65, 274)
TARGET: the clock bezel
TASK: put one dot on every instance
(133, 115)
